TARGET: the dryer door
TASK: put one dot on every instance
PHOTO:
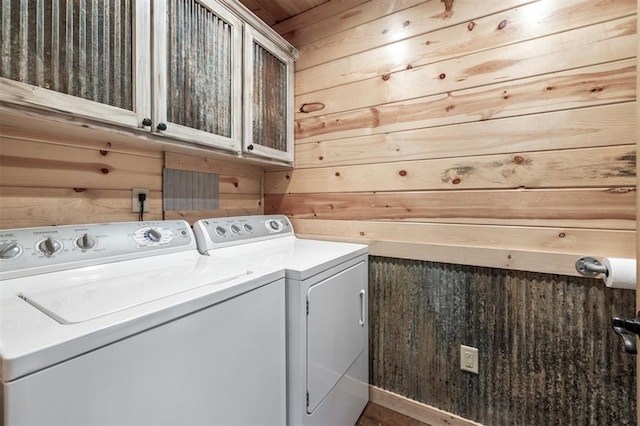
(336, 329)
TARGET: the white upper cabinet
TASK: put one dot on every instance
(205, 72)
(88, 58)
(268, 98)
(197, 73)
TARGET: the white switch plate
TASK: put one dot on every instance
(469, 359)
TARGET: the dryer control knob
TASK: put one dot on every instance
(10, 250)
(274, 225)
(85, 242)
(235, 229)
(220, 230)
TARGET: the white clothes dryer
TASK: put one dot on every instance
(326, 292)
(127, 324)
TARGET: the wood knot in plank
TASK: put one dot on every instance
(321, 158)
(471, 26)
(402, 172)
(80, 189)
(597, 89)
(337, 174)
(311, 107)
(406, 23)
(287, 177)
(361, 234)
(448, 10)
(456, 181)
(562, 235)
(518, 159)
(442, 76)
(104, 170)
(386, 77)
(502, 24)
(409, 66)
(104, 152)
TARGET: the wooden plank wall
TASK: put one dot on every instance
(491, 133)
(57, 175)
(547, 354)
(51, 179)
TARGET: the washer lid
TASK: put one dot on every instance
(102, 295)
(301, 258)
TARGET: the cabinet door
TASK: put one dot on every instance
(89, 58)
(197, 72)
(268, 100)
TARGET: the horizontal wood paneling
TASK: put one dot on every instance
(463, 39)
(598, 242)
(72, 181)
(544, 55)
(485, 114)
(24, 207)
(591, 167)
(306, 22)
(596, 85)
(576, 128)
(36, 164)
(384, 26)
(614, 208)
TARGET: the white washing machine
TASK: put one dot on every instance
(326, 291)
(127, 324)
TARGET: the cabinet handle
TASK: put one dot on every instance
(162, 126)
(146, 122)
(250, 147)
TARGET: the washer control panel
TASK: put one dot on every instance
(220, 232)
(28, 249)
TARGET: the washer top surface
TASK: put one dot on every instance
(272, 245)
(51, 311)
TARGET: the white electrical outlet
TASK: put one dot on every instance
(469, 359)
(135, 201)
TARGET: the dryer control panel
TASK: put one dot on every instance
(29, 251)
(226, 231)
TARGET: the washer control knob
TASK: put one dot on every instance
(49, 247)
(247, 227)
(235, 229)
(10, 250)
(220, 230)
(85, 242)
(154, 235)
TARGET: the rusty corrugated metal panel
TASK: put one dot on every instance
(199, 68)
(79, 47)
(189, 190)
(548, 355)
(269, 100)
